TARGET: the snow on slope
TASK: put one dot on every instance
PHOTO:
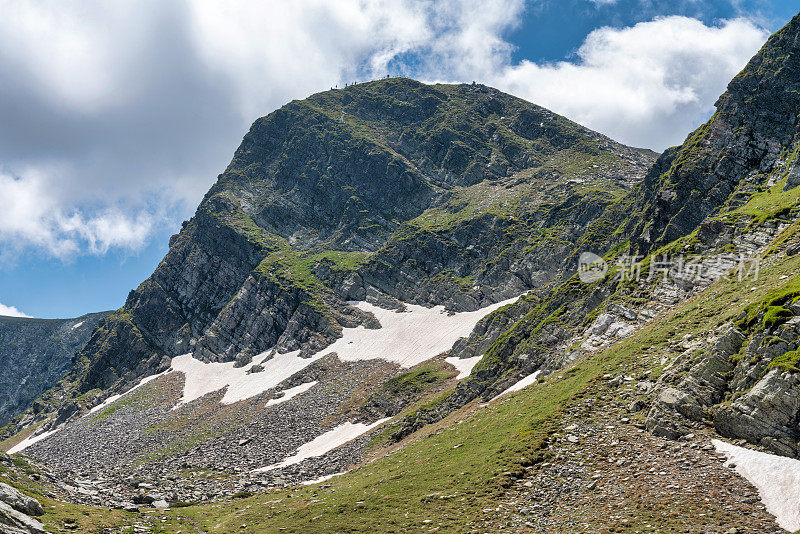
(406, 338)
(202, 378)
(525, 382)
(289, 394)
(326, 442)
(30, 440)
(463, 365)
(114, 398)
(777, 479)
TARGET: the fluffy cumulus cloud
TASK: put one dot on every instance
(646, 85)
(115, 118)
(11, 311)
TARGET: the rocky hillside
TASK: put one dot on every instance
(35, 354)
(385, 277)
(353, 240)
(712, 203)
(455, 195)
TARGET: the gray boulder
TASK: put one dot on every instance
(19, 501)
(14, 522)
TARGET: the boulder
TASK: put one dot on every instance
(19, 501)
(14, 521)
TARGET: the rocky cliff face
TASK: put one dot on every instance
(724, 194)
(386, 191)
(752, 135)
(35, 354)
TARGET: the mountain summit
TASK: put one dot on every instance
(380, 319)
(387, 191)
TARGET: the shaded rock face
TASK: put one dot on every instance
(756, 120)
(387, 191)
(35, 354)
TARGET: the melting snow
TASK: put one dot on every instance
(776, 477)
(203, 378)
(30, 440)
(525, 382)
(409, 337)
(326, 442)
(321, 479)
(406, 338)
(114, 398)
(291, 393)
(463, 365)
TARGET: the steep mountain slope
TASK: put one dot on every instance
(454, 195)
(35, 354)
(711, 202)
(354, 238)
(338, 210)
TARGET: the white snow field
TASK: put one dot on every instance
(30, 440)
(406, 338)
(289, 394)
(464, 366)
(777, 479)
(326, 442)
(202, 378)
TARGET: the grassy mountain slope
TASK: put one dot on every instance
(454, 474)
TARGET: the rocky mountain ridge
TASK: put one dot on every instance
(35, 354)
(296, 257)
(277, 247)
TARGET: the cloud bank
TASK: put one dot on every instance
(114, 117)
(11, 311)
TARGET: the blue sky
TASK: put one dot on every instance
(115, 121)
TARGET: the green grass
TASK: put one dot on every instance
(787, 362)
(768, 204)
(451, 471)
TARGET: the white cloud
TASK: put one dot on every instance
(11, 311)
(32, 216)
(647, 85)
(112, 114)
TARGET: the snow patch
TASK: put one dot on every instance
(525, 382)
(30, 440)
(202, 378)
(321, 479)
(463, 365)
(76, 325)
(114, 398)
(291, 393)
(326, 442)
(407, 338)
(777, 479)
